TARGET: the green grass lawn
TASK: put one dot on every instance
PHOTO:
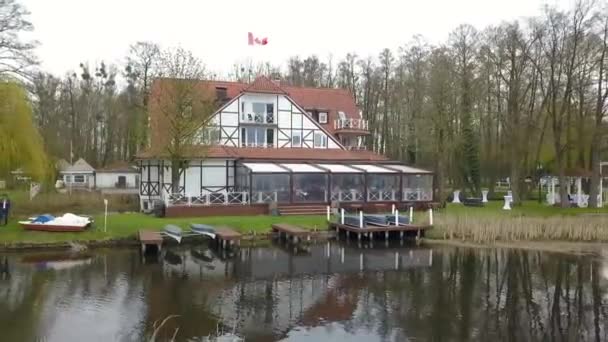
(127, 225)
(528, 208)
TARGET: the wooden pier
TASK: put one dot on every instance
(150, 238)
(371, 231)
(292, 233)
(227, 237)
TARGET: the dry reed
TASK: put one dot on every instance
(488, 229)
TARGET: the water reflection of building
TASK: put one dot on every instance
(277, 289)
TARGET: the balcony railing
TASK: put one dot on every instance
(353, 124)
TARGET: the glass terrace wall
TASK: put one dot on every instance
(272, 187)
(347, 187)
(309, 187)
(417, 187)
(382, 187)
(323, 183)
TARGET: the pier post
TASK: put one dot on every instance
(401, 235)
(396, 260)
(342, 216)
(411, 215)
(342, 255)
(361, 219)
(431, 216)
(393, 208)
(386, 235)
(359, 236)
(328, 214)
(396, 217)
(361, 261)
(347, 235)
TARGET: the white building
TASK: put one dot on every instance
(295, 146)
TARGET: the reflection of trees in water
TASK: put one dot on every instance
(488, 296)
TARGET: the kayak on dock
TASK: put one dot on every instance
(173, 232)
(203, 229)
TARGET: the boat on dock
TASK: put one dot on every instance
(173, 232)
(203, 229)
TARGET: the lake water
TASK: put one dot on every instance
(329, 292)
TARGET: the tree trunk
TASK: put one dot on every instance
(176, 170)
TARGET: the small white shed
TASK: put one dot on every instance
(119, 175)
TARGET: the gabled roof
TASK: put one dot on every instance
(263, 84)
(80, 166)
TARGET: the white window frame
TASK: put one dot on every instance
(323, 117)
(67, 178)
(297, 134)
(341, 115)
(323, 139)
(76, 177)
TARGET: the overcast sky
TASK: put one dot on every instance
(71, 31)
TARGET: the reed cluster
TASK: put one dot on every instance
(504, 228)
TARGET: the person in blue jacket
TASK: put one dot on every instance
(5, 207)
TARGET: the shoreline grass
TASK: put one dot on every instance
(532, 221)
(123, 226)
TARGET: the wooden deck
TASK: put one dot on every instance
(226, 237)
(370, 230)
(150, 238)
(291, 232)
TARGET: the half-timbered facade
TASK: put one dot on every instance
(271, 143)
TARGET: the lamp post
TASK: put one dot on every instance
(539, 172)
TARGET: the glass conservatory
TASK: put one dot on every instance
(325, 182)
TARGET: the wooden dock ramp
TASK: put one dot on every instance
(291, 233)
(227, 237)
(150, 238)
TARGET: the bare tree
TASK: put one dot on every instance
(15, 54)
(184, 108)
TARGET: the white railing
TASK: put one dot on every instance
(264, 196)
(358, 124)
(378, 196)
(260, 118)
(347, 196)
(418, 194)
(208, 198)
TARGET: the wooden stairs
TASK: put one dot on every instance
(302, 209)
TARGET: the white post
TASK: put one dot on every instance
(456, 196)
(600, 199)
(431, 216)
(392, 208)
(411, 215)
(551, 197)
(484, 196)
(225, 197)
(508, 200)
(579, 192)
(276, 198)
(189, 200)
(328, 214)
(396, 217)
(105, 216)
(361, 219)
(342, 215)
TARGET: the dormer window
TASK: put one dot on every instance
(221, 93)
(323, 117)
